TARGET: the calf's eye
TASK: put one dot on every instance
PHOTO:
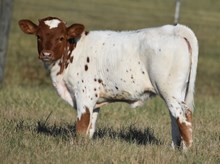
(61, 39)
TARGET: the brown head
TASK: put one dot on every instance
(54, 39)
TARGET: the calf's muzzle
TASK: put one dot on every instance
(46, 55)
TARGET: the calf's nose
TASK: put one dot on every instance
(46, 53)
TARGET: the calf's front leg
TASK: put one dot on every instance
(82, 123)
(85, 125)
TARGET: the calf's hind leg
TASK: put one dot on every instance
(186, 129)
(181, 120)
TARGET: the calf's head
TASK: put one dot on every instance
(54, 39)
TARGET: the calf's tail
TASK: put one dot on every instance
(192, 42)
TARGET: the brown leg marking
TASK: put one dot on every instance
(83, 123)
(186, 130)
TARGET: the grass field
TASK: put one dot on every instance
(36, 126)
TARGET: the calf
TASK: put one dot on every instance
(92, 69)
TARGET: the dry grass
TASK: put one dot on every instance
(28, 135)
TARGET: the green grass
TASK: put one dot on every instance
(38, 127)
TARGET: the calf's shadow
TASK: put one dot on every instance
(129, 134)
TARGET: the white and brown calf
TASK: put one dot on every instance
(92, 69)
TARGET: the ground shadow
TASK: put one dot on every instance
(64, 131)
(129, 134)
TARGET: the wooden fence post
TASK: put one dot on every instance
(5, 18)
(177, 12)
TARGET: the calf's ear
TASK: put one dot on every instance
(75, 30)
(27, 26)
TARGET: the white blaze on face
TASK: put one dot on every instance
(52, 23)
